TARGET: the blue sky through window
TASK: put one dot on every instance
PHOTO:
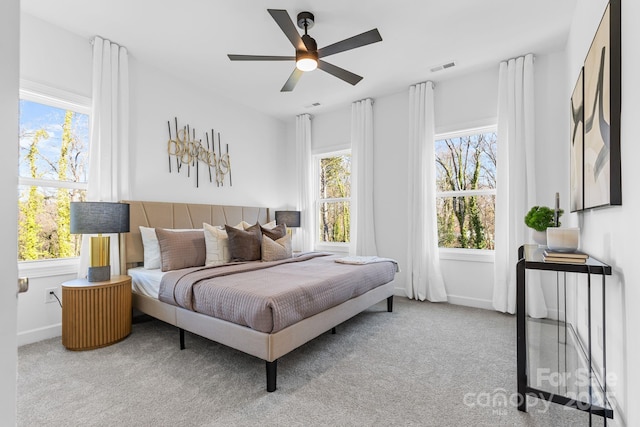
(35, 116)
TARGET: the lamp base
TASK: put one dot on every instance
(99, 274)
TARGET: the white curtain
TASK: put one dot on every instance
(425, 280)
(516, 183)
(304, 234)
(109, 144)
(363, 238)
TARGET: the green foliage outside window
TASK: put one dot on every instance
(53, 156)
(466, 163)
(335, 192)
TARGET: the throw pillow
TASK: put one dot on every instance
(181, 249)
(217, 243)
(274, 233)
(269, 225)
(150, 247)
(244, 245)
(276, 250)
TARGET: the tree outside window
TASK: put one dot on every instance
(466, 189)
(54, 144)
(334, 198)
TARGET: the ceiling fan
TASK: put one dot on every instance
(307, 53)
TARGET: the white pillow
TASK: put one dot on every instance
(270, 225)
(216, 243)
(246, 225)
(151, 247)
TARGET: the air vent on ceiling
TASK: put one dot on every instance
(315, 104)
(443, 66)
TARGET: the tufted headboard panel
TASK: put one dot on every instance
(178, 215)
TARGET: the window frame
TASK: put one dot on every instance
(340, 247)
(466, 254)
(53, 97)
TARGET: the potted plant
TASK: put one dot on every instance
(539, 218)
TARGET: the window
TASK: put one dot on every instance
(333, 200)
(466, 188)
(53, 167)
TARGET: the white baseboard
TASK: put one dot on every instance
(399, 292)
(470, 302)
(39, 334)
(457, 300)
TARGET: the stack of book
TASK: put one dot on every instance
(575, 257)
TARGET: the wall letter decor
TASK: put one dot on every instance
(187, 152)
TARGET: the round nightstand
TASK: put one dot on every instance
(95, 314)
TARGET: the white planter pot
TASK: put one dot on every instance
(540, 237)
(563, 239)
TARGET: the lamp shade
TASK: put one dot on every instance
(288, 218)
(99, 217)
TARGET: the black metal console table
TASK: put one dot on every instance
(570, 349)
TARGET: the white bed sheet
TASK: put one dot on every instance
(146, 281)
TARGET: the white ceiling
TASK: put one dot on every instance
(191, 39)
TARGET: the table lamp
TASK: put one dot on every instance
(99, 218)
(288, 218)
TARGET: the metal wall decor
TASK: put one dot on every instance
(186, 152)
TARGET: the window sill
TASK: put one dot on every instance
(469, 255)
(48, 268)
(335, 248)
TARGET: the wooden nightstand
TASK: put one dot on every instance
(95, 314)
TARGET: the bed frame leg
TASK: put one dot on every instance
(271, 375)
(333, 331)
(390, 304)
(181, 339)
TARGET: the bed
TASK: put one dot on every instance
(289, 307)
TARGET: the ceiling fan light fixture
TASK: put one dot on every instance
(306, 61)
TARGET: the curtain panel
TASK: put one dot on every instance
(425, 276)
(363, 237)
(304, 234)
(516, 183)
(109, 143)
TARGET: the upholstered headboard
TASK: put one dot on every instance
(178, 215)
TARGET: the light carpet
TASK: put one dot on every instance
(425, 364)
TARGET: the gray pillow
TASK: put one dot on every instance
(244, 245)
(181, 249)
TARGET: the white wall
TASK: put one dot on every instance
(608, 233)
(9, 66)
(465, 102)
(257, 145)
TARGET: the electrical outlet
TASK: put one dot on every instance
(48, 297)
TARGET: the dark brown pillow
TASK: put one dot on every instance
(181, 249)
(276, 232)
(244, 245)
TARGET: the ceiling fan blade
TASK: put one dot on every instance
(292, 81)
(260, 58)
(368, 37)
(340, 73)
(285, 23)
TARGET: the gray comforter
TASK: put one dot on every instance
(269, 296)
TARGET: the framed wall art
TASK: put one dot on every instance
(577, 146)
(602, 100)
